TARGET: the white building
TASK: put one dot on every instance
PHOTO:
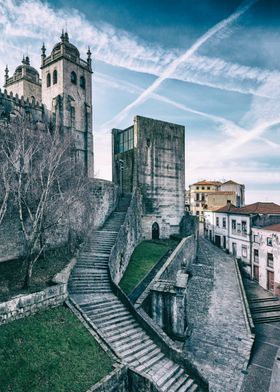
(230, 228)
(266, 257)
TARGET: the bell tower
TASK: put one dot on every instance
(67, 93)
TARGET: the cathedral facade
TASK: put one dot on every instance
(62, 96)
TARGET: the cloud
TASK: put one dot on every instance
(24, 25)
(169, 71)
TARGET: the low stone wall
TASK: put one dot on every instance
(165, 299)
(116, 381)
(101, 199)
(130, 234)
(25, 305)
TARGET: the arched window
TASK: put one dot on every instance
(48, 80)
(155, 231)
(73, 77)
(55, 76)
(83, 82)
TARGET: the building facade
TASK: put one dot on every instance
(205, 195)
(63, 93)
(150, 155)
(232, 228)
(266, 257)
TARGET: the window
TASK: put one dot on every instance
(269, 241)
(48, 80)
(197, 212)
(208, 188)
(224, 223)
(238, 227)
(202, 188)
(82, 82)
(197, 196)
(244, 226)
(256, 238)
(217, 221)
(270, 260)
(124, 141)
(244, 251)
(73, 77)
(233, 224)
(55, 76)
(202, 197)
(256, 256)
(73, 117)
(197, 187)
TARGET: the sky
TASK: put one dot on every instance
(210, 65)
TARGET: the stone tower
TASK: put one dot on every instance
(150, 156)
(24, 82)
(67, 93)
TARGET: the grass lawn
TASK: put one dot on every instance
(12, 273)
(144, 257)
(50, 352)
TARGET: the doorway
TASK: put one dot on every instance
(218, 240)
(270, 281)
(256, 273)
(234, 249)
(155, 231)
(224, 242)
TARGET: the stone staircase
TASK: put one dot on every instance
(89, 287)
(265, 310)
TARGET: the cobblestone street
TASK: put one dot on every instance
(219, 339)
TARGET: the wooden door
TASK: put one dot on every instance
(256, 272)
(270, 281)
(218, 240)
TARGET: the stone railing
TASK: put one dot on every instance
(129, 236)
(25, 305)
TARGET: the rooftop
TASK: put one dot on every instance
(275, 227)
(205, 182)
(222, 193)
(255, 208)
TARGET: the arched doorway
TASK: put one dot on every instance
(155, 231)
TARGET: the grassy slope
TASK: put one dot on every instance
(50, 352)
(144, 257)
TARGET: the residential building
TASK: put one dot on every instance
(266, 257)
(205, 195)
(230, 227)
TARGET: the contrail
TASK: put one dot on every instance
(183, 58)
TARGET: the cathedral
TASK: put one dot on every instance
(62, 96)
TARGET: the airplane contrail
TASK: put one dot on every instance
(168, 72)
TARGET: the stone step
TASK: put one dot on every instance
(149, 361)
(89, 291)
(134, 347)
(104, 312)
(188, 386)
(141, 350)
(265, 308)
(136, 342)
(129, 333)
(169, 385)
(132, 326)
(127, 340)
(100, 305)
(167, 373)
(103, 318)
(264, 299)
(266, 317)
(117, 324)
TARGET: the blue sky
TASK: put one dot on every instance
(211, 65)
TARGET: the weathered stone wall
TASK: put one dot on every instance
(25, 305)
(165, 299)
(161, 174)
(116, 381)
(89, 214)
(129, 236)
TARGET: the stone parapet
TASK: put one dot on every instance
(26, 305)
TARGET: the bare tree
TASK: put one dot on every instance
(42, 177)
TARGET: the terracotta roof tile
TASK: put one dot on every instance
(204, 182)
(275, 227)
(255, 208)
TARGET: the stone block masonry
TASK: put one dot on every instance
(26, 305)
(219, 339)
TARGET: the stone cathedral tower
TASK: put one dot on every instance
(67, 92)
(63, 94)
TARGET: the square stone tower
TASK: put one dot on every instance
(150, 155)
(67, 93)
